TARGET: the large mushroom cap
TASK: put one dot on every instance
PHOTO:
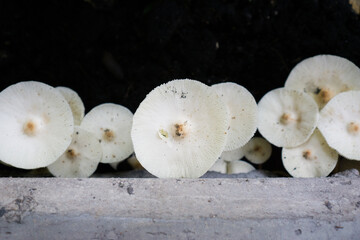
(75, 102)
(311, 159)
(257, 150)
(80, 159)
(36, 125)
(243, 113)
(323, 77)
(111, 124)
(179, 129)
(339, 122)
(287, 117)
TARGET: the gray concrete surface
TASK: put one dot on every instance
(114, 208)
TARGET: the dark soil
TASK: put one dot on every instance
(118, 51)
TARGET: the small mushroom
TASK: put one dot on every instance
(219, 166)
(287, 117)
(339, 123)
(243, 115)
(323, 77)
(75, 102)
(235, 167)
(257, 150)
(111, 124)
(179, 129)
(81, 158)
(232, 155)
(312, 159)
(36, 125)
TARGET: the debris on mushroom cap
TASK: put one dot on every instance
(243, 113)
(339, 123)
(257, 150)
(287, 117)
(232, 155)
(312, 159)
(111, 124)
(179, 129)
(323, 77)
(36, 124)
(219, 166)
(235, 167)
(80, 159)
(75, 102)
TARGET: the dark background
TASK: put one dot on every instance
(118, 51)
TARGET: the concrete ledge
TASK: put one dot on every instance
(114, 208)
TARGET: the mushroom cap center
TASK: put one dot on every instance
(33, 126)
(324, 95)
(308, 155)
(176, 131)
(288, 118)
(108, 135)
(71, 154)
(353, 128)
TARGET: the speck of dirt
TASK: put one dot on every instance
(298, 232)
(328, 205)
(130, 190)
(2, 211)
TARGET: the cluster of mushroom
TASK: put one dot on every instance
(315, 117)
(43, 126)
(184, 128)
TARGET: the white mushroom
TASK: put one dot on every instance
(111, 124)
(75, 102)
(232, 155)
(235, 167)
(287, 117)
(179, 129)
(243, 115)
(339, 122)
(36, 125)
(257, 150)
(311, 159)
(80, 159)
(219, 166)
(323, 77)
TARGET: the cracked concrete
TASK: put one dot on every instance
(115, 208)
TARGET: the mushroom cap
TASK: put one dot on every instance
(243, 112)
(80, 159)
(232, 155)
(323, 77)
(179, 129)
(36, 125)
(111, 125)
(235, 167)
(312, 159)
(258, 150)
(219, 166)
(287, 117)
(339, 122)
(75, 102)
